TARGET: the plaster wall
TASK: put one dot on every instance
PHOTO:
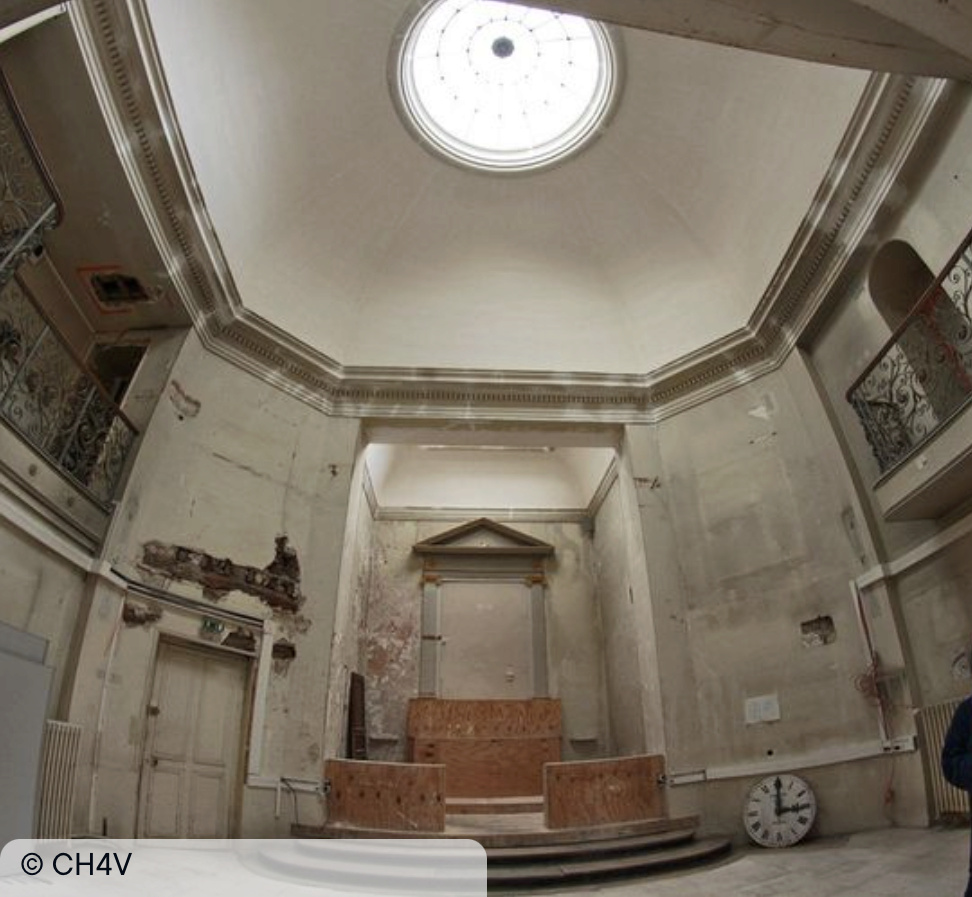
(226, 464)
(348, 644)
(851, 797)
(936, 616)
(152, 376)
(574, 643)
(919, 617)
(751, 523)
(623, 598)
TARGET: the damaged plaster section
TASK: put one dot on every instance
(277, 585)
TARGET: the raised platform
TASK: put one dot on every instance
(522, 851)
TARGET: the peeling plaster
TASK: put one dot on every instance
(277, 585)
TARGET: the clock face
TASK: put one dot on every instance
(779, 810)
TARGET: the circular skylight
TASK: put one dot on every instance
(505, 87)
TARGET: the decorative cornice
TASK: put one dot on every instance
(507, 515)
(897, 118)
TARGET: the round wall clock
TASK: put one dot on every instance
(779, 810)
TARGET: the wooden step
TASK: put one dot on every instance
(491, 805)
(579, 868)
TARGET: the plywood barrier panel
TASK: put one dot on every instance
(499, 767)
(431, 719)
(598, 792)
(404, 797)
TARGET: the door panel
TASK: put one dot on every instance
(487, 645)
(192, 748)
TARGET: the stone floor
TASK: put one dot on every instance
(889, 863)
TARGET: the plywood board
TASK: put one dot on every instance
(406, 797)
(491, 767)
(598, 792)
(432, 719)
(491, 748)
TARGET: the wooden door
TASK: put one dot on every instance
(193, 743)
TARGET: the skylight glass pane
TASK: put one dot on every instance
(496, 85)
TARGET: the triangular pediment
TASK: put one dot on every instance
(483, 536)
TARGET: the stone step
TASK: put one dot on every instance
(509, 830)
(523, 831)
(655, 859)
(522, 852)
(588, 849)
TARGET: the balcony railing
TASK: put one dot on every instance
(29, 204)
(54, 403)
(46, 394)
(922, 377)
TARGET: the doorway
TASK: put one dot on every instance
(193, 743)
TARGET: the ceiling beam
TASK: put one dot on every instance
(916, 37)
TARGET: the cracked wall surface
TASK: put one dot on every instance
(251, 464)
(392, 627)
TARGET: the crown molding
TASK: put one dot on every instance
(897, 118)
(506, 515)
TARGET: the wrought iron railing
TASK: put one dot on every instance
(29, 204)
(46, 394)
(54, 403)
(923, 375)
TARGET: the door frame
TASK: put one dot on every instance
(430, 649)
(159, 639)
(532, 595)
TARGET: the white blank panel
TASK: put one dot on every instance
(23, 709)
(487, 641)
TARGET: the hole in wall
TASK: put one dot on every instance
(818, 631)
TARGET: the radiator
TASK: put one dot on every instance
(59, 765)
(946, 802)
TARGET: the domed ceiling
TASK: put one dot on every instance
(339, 228)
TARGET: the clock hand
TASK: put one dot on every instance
(778, 802)
(796, 808)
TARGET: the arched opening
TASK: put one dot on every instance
(897, 279)
(929, 332)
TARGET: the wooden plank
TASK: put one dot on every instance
(490, 767)
(598, 792)
(491, 748)
(437, 718)
(406, 797)
(495, 806)
(357, 727)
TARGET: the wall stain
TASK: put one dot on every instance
(184, 404)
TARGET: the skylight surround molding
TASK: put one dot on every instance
(501, 87)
